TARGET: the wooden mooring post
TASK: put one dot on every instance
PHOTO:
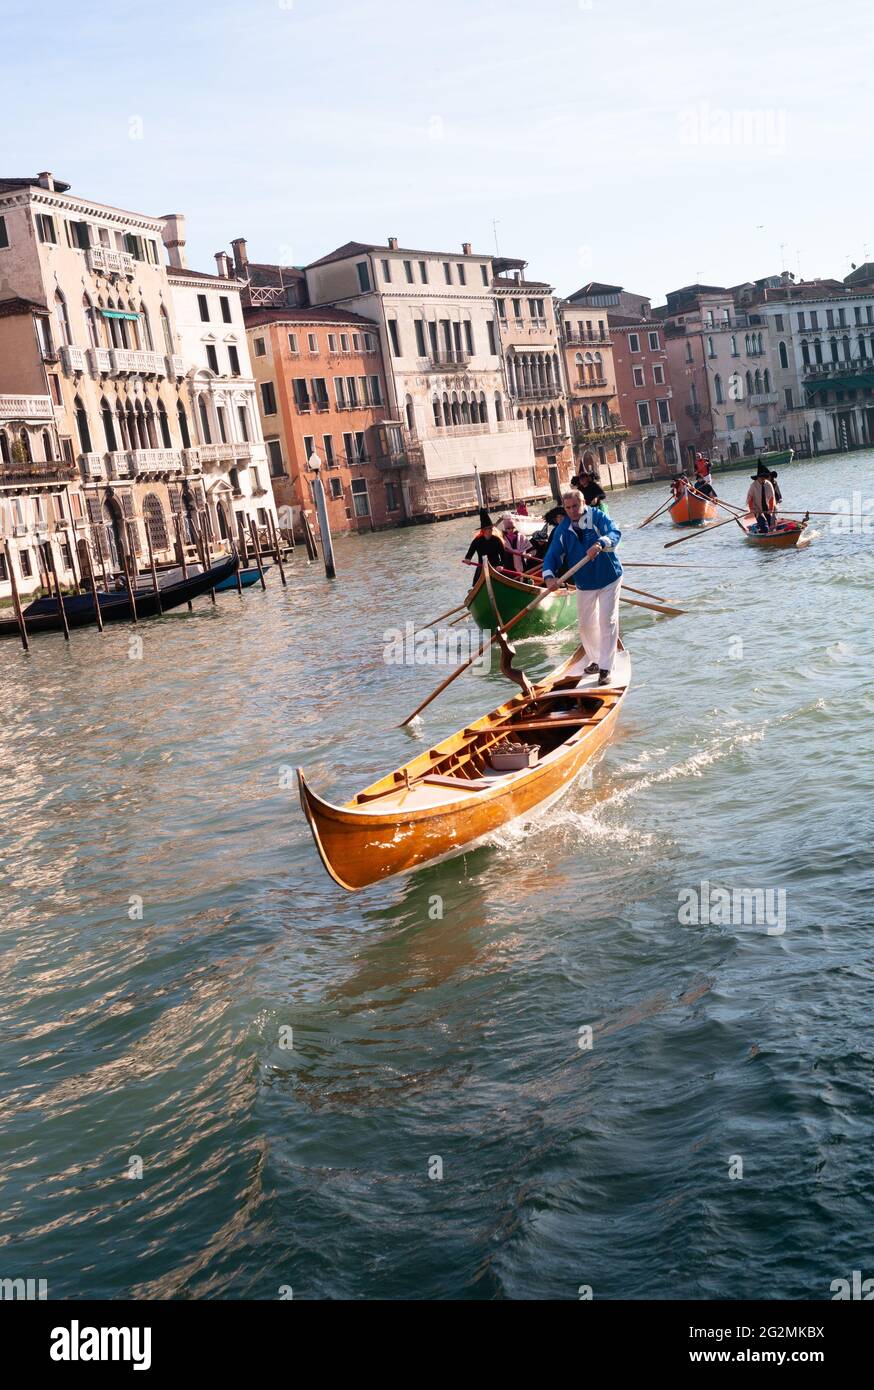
(16, 601)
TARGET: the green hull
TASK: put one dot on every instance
(777, 459)
(554, 614)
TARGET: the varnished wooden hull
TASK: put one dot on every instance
(692, 511)
(360, 846)
(792, 537)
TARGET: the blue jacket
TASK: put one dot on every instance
(565, 549)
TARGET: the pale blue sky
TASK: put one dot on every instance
(647, 145)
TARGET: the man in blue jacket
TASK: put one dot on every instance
(586, 531)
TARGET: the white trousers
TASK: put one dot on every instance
(598, 616)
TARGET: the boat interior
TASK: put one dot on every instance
(565, 710)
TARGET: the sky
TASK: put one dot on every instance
(646, 145)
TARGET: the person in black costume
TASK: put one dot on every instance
(486, 546)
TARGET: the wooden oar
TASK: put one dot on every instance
(659, 598)
(457, 607)
(494, 637)
(653, 565)
(702, 531)
(664, 506)
(656, 607)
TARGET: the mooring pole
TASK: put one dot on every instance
(51, 570)
(257, 549)
(315, 463)
(16, 601)
(274, 536)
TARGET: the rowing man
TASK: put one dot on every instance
(762, 498)
(587, 533)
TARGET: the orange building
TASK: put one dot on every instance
(321, 389)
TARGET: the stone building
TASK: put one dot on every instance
(598, 430)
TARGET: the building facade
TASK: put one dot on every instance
(587, 346)
(645, 396)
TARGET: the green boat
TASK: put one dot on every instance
(778, 458)
(556, 612)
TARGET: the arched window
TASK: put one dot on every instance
(817, 350)
(784, 356)
(167, 331)
(46, 446)
(156, 522)
(5, 455)
(147, 328)
(206, 436)
(82, 426)
(408, 409)
(805, 353)
(150, 426)
(91, 322)
(862, 353)
(747, 344)
(435, 406)
(62, 318)
(766, 378)
(717, 383)
(817, 431)
(749, 383)
(846, 346)
(759, 345)
(164, 426)
(142, 433)
(734, 351)
(578, 363)
(757, 382)
(108, 425)
(833, 345)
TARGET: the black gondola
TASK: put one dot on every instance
(116, 608)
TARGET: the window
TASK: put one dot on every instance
(392, 503)
(423, 271)
(654, 341)
(468, 336)
(801, 322)
(309, 446)
(787, 392)
(633, 342)
(45, 227)
(462, 274)
(260, 349)
(336, 489)
(301, 393)
(349, 447)
(63, 318)
(658, 374)
(688, 352)
(268, 398)
(484, 271)
(328, 446)
(711, 351)
(717, 383)
(292, 345)
(408, 271)
(332, 342)
(643, 412)
(394, 336)
(344, 342)
(664, 412)
(320, 393)
(206, 435)
(203, 306)
(502, 310)
(375, 391)
(234, 360)
(517, 310)
(212, 358)
(356, 342)
(340, 392)
(312, 342)
(360, 499)
(361, 447)
(222, 424)
(637, 373)
(79, 235)
(421, 349)
(493, 337)
(386, 271)
(363, 275)
(4, 235)
(26, 567)
(55, 384)
(226, 308)
(784, 356)
(352, 391)
(829, 318)
(243, 417)
(857, 314)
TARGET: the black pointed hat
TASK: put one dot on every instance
(762, 471)
(484, 518)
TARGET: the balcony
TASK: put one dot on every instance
(98, 361)
(124, 361)
(72, 359)
(213, 454)
(191, 460)
(587, 340)
(449, 357)
(536, 393)
(599, 383)
(100, 258)
(764, 398)
(92, 467)
(23, 408)
(44, 471)
(151, 461)
(175, 367)
(649, 431)
(549, 441)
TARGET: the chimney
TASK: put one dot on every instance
(46, 180)
(517, 276)
(392, 243)
(173, 237)
(241, 255)
(223, 264)
(465, 248)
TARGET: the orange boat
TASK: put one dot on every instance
(447, 799)
(692, 511)
(787, 536)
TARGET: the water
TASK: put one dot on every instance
(166, 918)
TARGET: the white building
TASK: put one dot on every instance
(219, 391)
(444, 371)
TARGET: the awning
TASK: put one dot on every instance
(114, 314)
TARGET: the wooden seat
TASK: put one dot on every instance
(468, 784)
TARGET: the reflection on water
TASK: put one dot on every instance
(166, 922)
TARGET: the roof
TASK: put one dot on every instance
(9, 308)
(861, 274)
(593, 287)
(361, 248)
(500, 282)
(323, 314)
(9, 185)
(691, 290)
(627, 321)
(202, 275)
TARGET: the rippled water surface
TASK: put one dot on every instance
(165, 919)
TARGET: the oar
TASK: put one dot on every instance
(494, 637)
(702, 531)
(659, 598)
(654, 565)
(456, 609)
(664, 506)
(656, 607)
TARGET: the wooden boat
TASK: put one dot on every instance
(43, 614)
(692, 511)
(248, 577)
(788, 535)
(512, 594)
(777, 458)
(447, 799)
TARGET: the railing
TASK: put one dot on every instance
(92, 467)
(152, 460)
(649, 431)
(109, 262)
(449, 357)
(597, 385)
(175, 366)
(549, 441)
(98, 360)
(26, 408)
(588, 339)
(268, 295)
(130, 360)
(611, 435)
(851, 368)
(72, 359)
(536, 393)
(223, 453)
(46, 470)
(764, 398)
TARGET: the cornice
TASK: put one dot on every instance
(46, 198)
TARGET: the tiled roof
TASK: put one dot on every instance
(322, 314)
(202, 275)
(360, 248)
(624, 321)
(593, 287)
(501, 282)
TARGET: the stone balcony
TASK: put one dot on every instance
(140, 461)
(549, 441)
(107, 262)
(536, 393)
(73, 359)
(24, 408)
(763, 398)
(211, 455)
(92, 467)
(449, 357)
(126, 362)
(175, 367)
(587, 340)
(579, 388)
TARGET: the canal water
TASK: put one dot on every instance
(556, 1064)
